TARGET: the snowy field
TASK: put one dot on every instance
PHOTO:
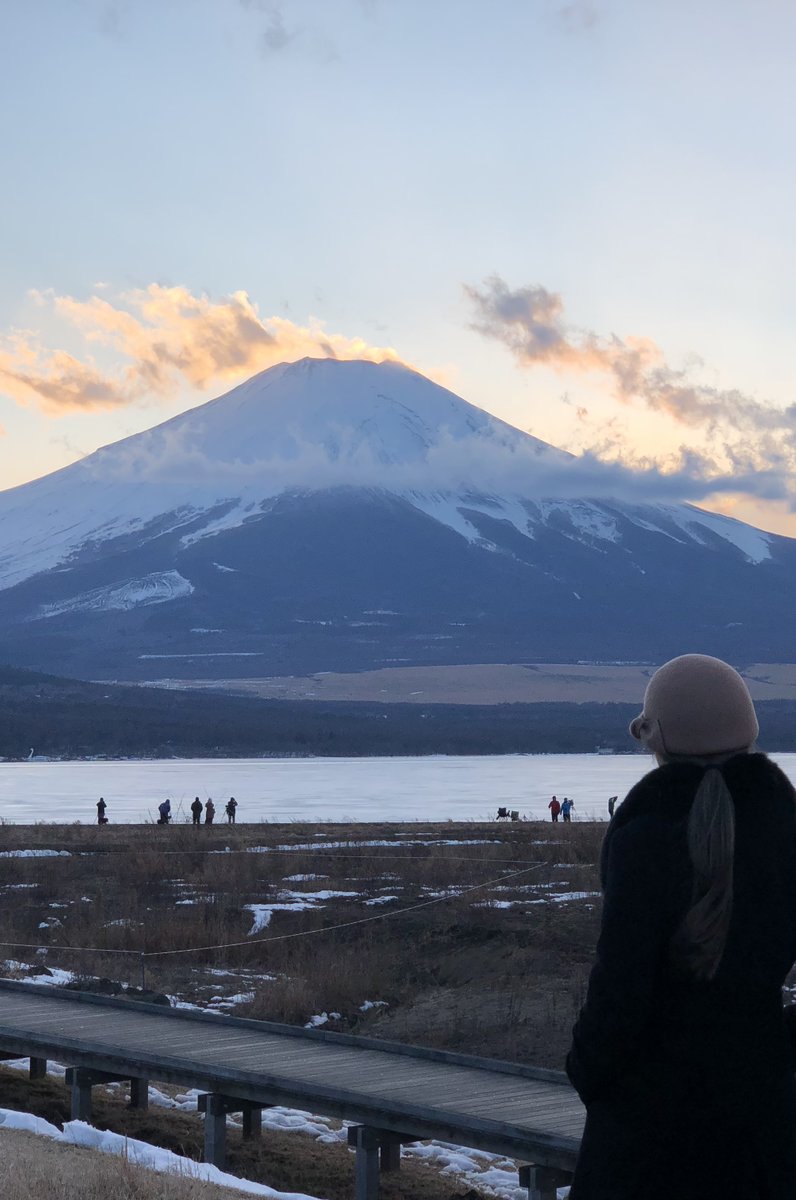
(324, 789)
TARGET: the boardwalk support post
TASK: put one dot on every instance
(367, 1143)
(390, 1152)
(80, 1084)
(80, 1081)
(542, 1182)
(215, 1106)
(139, 1092)
(377, 1150)
(252, 1120)
(38, 1068)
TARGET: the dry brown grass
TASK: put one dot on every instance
(37, 1169)
(500, 981)
(290, 1162)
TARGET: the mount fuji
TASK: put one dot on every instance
(332, 515)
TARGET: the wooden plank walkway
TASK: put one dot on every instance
(395, 1093)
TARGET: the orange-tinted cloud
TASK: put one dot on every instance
(167, 337)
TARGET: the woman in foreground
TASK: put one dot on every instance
(681, 1053)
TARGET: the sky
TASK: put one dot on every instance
(577, 215)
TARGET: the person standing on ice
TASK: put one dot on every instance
(230, 810)
(683, 1053)
(566, 809)
(555, 809)
(196, 811)
(210, 811)
(101, 806)
(165, 812)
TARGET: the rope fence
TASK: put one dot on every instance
(144, 955)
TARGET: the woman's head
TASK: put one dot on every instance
(699, 708)
(696, 706)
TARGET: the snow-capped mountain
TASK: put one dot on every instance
(336, 515)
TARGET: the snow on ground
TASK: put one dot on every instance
(321, 1019)
(34, 854)
(490, 1173)
(158, 588)
(53, 976)
(290, 901)
(262, 913)
(153, 1158)
(356, 843)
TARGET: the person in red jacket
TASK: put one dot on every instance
(555, 809)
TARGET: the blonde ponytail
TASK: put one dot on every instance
(698, 945)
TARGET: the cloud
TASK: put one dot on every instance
(753, 443)
(276, 37)
(576, 16)
(530, 322)
(169, 337)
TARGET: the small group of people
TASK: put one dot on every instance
(210, 811)
(561, 808)
(164, 811)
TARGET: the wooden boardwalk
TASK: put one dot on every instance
(393, 1093)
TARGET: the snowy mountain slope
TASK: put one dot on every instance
(278, 519)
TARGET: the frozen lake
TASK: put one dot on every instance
(324, 789)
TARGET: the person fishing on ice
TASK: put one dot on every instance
(683, 1053)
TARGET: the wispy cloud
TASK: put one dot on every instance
(167, 337)
(276, 35)
(577, 15)
(530, 322)
(753, 443)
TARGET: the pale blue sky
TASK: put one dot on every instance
(359, 161)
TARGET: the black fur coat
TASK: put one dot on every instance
(689, 1087)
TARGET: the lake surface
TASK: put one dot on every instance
(325, 789)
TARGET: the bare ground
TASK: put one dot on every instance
(484, 683)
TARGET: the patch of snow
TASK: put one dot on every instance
(53, 977)
(34, 854)
(154, 1158)
(209, 654)
(327, 894)
(321, 1019)
(586, 518)
(302, 878)
(263, 912)
(229, 570)
(367, 1005)
(381, 899)
(160, 587)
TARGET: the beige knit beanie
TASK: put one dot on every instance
(696, 705)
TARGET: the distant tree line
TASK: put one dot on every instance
(71, 718)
